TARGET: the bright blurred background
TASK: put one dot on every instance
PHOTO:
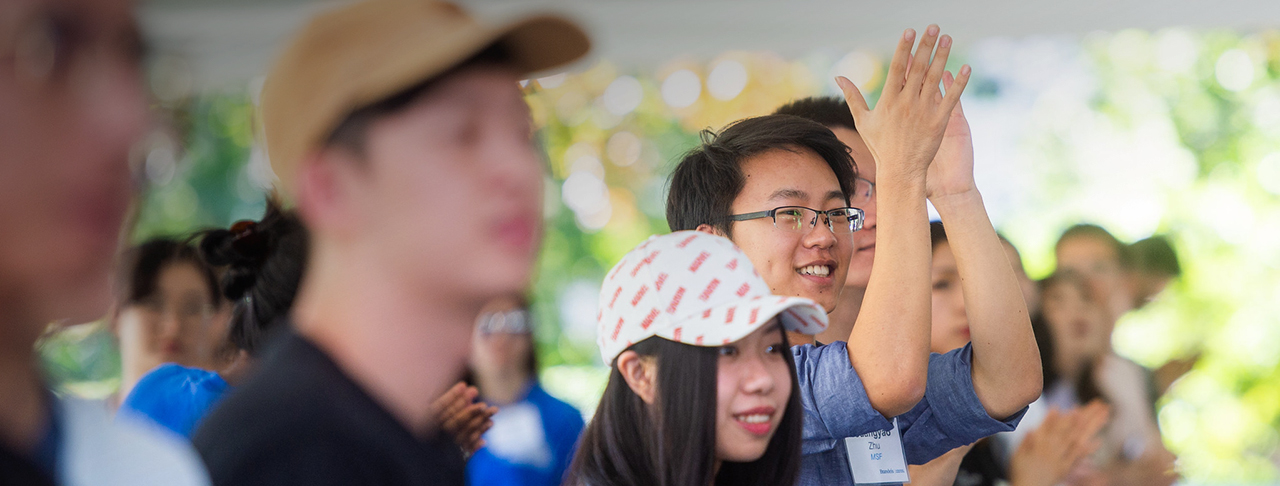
(1157, 130)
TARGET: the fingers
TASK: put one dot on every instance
(920, 63)
(857, 104)
(459, 423)
(460, 402)
(899, 64)
(445, 401)
(952, 97)
(938, 66)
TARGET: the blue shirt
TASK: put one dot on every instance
(175, 396)
(531, 443)
(836, 406)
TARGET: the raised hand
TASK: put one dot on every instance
(951, 172)
(1049, 453)
(459, 415)
(906, 128)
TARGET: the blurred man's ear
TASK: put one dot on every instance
(324, 183)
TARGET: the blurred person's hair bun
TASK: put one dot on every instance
(262, 264)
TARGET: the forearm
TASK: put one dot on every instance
(1006, 361)
(889, 344)
(941, 471)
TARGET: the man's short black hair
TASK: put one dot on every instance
(1089, 230)
(709, 178)
(1155, 255)
(831, 111)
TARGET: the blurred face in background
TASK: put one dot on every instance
(171, 325)
(448, 200)
(503, 342)
(71, 106)
(1076, 323)
(864, 241)
(1099, 263)
(950, 329)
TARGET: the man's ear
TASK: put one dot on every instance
(640, 373)
(323, 192)
(706, 228)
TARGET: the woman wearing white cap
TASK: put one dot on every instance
(702, 387)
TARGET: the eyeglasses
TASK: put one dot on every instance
(864, 191)
(799, 219)
(55, 45)
(184, 309)
(505, 322)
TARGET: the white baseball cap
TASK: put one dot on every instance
(693, 288)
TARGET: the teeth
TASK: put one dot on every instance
(815, 270)
(754, 419)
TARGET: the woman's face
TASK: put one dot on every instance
(502, 343)
(171, 325)
(1099, 263)
(950, 328)
(1076, 324)
(753, 385)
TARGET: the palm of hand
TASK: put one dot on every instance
(908, 124)
(952, 169)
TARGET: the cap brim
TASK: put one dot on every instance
(541, 42)
(719, 326)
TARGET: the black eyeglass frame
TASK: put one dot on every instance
(871, 194)
(773, 214)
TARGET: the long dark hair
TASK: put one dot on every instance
(264, 262)
(673, 443)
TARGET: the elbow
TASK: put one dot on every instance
(1032, 387)
(895, 397)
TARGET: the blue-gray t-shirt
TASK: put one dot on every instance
(836, 406)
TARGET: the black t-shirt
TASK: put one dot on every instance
(16, 469)
(301, 420)
(980, 467)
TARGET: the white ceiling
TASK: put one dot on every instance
(229, 42)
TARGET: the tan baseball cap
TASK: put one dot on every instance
(356, 55)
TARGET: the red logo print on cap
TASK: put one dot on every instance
(685, 242)
(728, 316)
(662, 277)
(675, 301)
(614, 300)
(639, 295)
(733, 264)
(754, 314)
(711, 287)
(742, 291)
(647, 260)
(648, 320)
(702, 257)
(616, 329)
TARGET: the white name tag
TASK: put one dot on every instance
(878, 458)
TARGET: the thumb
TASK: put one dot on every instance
(857, 104)
(947, 80)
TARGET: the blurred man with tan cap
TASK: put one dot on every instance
(398, 129)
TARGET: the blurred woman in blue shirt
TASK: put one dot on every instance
(534, 435)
